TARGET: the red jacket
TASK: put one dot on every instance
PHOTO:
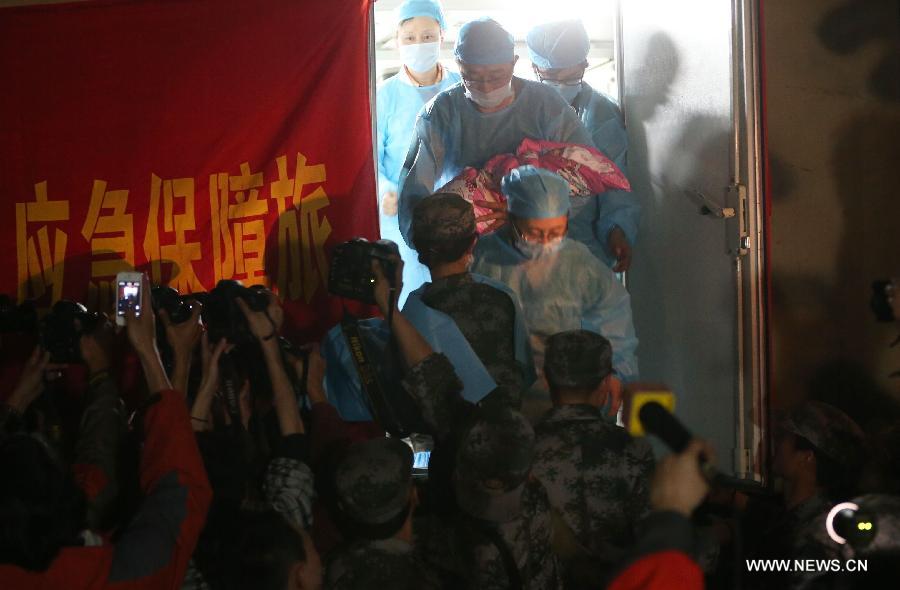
(154, 549)
(666, 570)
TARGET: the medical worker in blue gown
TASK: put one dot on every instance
(490, 113)
(607, 224)
(561, 284)
(420, 26)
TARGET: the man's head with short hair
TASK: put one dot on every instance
(443, 229)
(578, 367)
(374, 488)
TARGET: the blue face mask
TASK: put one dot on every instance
(568, 91)
(420, 57)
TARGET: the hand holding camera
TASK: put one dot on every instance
(386, 291)
(261, 325)
(31, 381)
(183, 336)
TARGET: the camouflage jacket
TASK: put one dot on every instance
(487, 318)
(464, 548)
(458, 543)
(381, 565)
(597, 477)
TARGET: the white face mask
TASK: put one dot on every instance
(420, 57)
(533, 250)
(492, 99)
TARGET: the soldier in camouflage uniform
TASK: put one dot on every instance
(486, 311)
(596, 474)
(819, 451)
(494, 529)
(503, 536)
(376, 497)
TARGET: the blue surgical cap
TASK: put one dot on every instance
(413, 8)
(561, 44)
(483, 42)
(535, 193)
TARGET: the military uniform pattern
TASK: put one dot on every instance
(486, 317)
(461, 546)
(458, 544)
(597, 476)
(385, 564)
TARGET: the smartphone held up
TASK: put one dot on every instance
(128, 295)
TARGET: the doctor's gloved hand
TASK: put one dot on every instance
(389, 203)
(499, 216)
(618, 246)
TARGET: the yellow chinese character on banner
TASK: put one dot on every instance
(110, 233)
(177, 194)
(237, 216)
(40, 263)
(302, 228)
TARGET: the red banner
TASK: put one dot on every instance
(198, 140)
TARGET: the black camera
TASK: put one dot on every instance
(223, 317)
(351, 273)
(882, 292)
(17, 318)
(179, 308)
(61, 330)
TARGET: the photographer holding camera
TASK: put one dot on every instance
(76, 337)
(43, 543)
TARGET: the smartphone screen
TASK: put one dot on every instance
(128, 297)
(420, 459)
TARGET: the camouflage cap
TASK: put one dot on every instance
(443, 216)
(373, 480)
(492, 464)
(577, 358)
(829, 430)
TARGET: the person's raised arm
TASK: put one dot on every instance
(154, 549)
(142, 335)
(661, 557)
(413, 347)
(183, 339)
(27, 389)
(265, 328)
(430, 379)
(201, 412)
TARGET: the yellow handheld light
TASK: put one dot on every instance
(664, 398)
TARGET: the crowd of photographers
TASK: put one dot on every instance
(204, 453)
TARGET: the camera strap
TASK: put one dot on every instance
(368, 373)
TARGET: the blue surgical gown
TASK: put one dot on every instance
(521, 341)
(568, 290)
(342, 384)
(591, 220)
(397, 103)
(452, 134)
